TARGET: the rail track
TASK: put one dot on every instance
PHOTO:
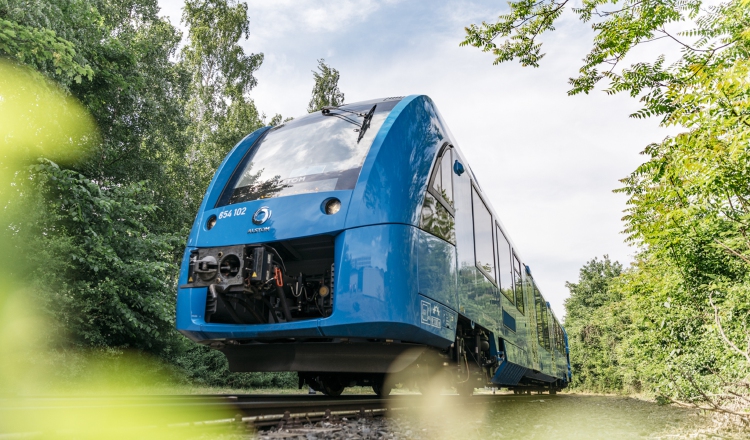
(200, 411)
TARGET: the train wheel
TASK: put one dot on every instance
(383, 385)
(465, 389)
(432, 384)
(381, 389)
(332, 389)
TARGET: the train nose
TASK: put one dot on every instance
(272, 220)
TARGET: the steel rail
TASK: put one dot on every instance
(209, 411)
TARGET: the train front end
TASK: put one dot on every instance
(303, 255)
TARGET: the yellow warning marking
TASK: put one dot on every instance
(255, 275)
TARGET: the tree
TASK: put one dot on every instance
(688, 295)
(592, 290)
(593, 330)
(103, 267)
(222, 75)
(105, 279)
(326, 89)
(119, 143)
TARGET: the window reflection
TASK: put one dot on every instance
(542, 324)
(310, 154)
(505, 272)
(520, 303)
(437, 217)
(442, 182)
(251, 186)
(437, 220)
(483, 248)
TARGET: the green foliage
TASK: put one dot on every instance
(619, 27)
(594, 327)
(326, 91)
(102, 275)
(592, 290)
(222, 75)
(521, 27)
(100, 237)
(202, 365)
(42, 48)
(676, 323)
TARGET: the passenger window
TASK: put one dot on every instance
(505, 272)
(437, 220)
(437, 210)
(542, 324)
(484, 253)
(519, 284)
(561, 338)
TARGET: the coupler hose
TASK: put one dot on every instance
(284, 304)
(278, 276)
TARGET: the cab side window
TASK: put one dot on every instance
(442, 180)
(437, 209)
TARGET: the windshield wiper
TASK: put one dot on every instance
(326, 111)
(366, 123)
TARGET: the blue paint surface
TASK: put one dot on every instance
(393, 280)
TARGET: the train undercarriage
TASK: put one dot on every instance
(293, 281)
(330, 366)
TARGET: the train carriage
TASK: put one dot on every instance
(355, 246)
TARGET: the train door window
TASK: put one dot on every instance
(437, 210)
(519, 284)
(484, 254)
(541, 319)
(504, 268)
(547, 333)
(559, 342)
(556, 327)
(544, 321)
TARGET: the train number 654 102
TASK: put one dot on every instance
(230, 212)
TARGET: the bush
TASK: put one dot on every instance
(202, 365)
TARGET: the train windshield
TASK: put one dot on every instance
(317, 152)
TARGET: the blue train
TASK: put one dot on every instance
(355, 246)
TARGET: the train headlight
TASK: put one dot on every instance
(332, 206)
(324, 291)
(211, 222)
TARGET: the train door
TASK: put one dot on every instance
(524, 282)
(484, 292)
(542, 317)
(437, 238)
(510, 325)
(533, 336)
(553, 339)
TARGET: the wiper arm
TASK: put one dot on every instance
(366, 123)
(326, 111)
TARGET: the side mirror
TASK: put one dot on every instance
(458, 168)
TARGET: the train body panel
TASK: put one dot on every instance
(374, 245)
(395, 174)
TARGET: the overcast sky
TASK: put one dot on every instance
(548, 161)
